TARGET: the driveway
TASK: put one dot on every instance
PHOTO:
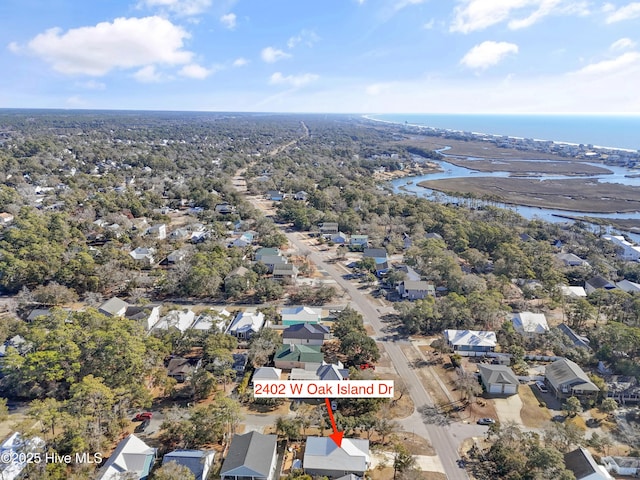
(508, 409)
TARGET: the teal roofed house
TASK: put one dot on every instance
(298, 356)
(295, 315)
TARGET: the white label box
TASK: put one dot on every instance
(323, 389)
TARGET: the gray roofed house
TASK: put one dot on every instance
(114, 307)
(198, 461)
(251, 456)
(374, 253)
(180, 368)
(306, 333)
(598, 283)
(272, 260)
(328, 228)
(577, 340)
(322, 457)
(567, 379)
(266, 251)
(411, 273)
(584, 467)
(571, 260)
(498, 379)
(285, 270)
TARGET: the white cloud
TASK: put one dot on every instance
(400, 4)
(91, 85)
(628, 12)
(179, 7)
(240, 62)
(14, 47)
(622, 44)
(124, 43)
(292, 80)
(193, 70)
(305, 37)
(474, 15)
(229, 20)
(429, 25)
(623, 62)
(148, 74)
(76, 102)
(487, 54)
(272, 55)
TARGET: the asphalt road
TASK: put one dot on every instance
(441, 438)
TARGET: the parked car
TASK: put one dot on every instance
(143, 416)
(541, 386)
(143, 426)
(486, 421)
(365, 366)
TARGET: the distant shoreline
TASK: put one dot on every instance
(481, 135)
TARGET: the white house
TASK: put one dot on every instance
(626, 250)
(573, 292)
(246, 324)
(179, 319)
(471, 340)
(322, 457)
(16, 451)
(159, 231)
(143, 255)
(416, 290)
(132, 456)
(529, 323)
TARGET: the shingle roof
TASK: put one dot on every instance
(253, 451)
(581, 463)
(497, 374)
(306, 331)
(566, 372)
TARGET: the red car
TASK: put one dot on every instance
(143, 416)
(364, 366)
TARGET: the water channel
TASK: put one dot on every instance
(409, 186)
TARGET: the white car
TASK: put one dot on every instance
(541, 386)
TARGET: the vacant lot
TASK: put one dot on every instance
(532, 414)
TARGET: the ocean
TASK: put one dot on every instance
(613, 131)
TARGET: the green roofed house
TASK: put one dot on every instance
(298, 356)
(251, 456)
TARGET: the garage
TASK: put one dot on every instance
(498, 379)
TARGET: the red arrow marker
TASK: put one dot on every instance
(336, 436)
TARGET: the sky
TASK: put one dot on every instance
(351, 56)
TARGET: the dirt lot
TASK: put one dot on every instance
(532, 414)
(387, 474)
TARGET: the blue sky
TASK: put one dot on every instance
(362, 56)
